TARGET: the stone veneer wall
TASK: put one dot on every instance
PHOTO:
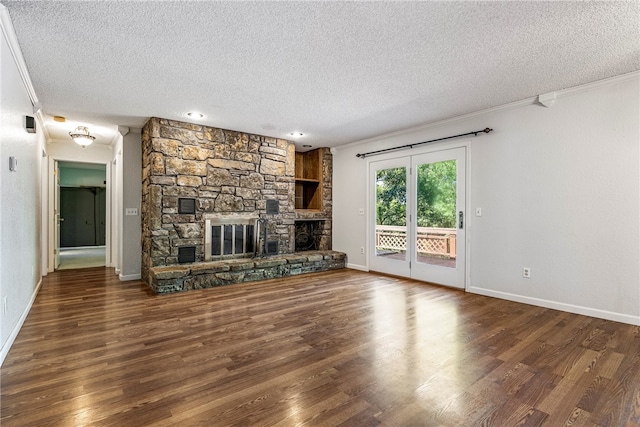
(227, 173)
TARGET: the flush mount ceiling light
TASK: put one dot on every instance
(296, 134)
(81, 136)
(194, 115)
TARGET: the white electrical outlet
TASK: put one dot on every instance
(131, 211)
(526, 272)
(362, 250)
(361, 211)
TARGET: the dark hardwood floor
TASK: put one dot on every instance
(326, 349)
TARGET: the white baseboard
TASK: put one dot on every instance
(127, 277)
(570, 308)
(7, 345)
(358, 267)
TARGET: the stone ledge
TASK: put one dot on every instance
(184, 277)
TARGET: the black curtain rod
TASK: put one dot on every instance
(402, 147)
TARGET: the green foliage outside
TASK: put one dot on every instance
(391, 197)
(436, 199)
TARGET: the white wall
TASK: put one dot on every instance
(131, 245)
(65, 150)
(559, 190)
(20, 201)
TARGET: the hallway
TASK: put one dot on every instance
(82, 257)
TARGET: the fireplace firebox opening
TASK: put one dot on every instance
(229, 238)
(308, 234)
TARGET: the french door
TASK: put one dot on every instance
(418, 208)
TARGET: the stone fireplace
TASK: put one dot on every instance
(217, 194)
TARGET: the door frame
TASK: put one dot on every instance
(57, 226)
(370, 201)
(51, 220)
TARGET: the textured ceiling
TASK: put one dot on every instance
(337, 71)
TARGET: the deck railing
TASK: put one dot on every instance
(430, 241)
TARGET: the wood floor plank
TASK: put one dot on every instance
(325, 349)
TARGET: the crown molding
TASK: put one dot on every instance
(12, 41)
(14, 47)
(634, 75)
(114, 140)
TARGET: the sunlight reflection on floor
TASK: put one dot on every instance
(409, 343)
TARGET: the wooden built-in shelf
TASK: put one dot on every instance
(309, 180)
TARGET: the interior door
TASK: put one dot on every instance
(418, 213)
(438, 232)
(78, 208)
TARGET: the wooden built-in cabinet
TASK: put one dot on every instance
(309, 180)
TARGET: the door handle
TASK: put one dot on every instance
(461, 220)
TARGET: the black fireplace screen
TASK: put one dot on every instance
(233, 239)
(229, 237)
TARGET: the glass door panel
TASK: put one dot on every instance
(390, 210)
(438, 235)
(435, 241)
(391, 213)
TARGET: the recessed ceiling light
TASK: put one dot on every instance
(194, 115)
(296, 134)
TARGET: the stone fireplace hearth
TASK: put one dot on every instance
(192, 174)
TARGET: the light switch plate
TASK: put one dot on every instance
(131, 211)
(478, 211)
